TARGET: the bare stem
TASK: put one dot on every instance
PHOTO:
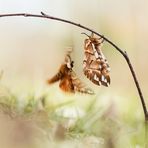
(43, 15)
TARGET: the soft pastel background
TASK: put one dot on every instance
(31, 50)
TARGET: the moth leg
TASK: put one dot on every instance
(102, 40)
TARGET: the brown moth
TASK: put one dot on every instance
(95, 65)
(69, 82)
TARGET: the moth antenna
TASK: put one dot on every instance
(69, 50)
(85, 34)
(92, 35)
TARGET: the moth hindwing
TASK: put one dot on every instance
(69, 82)
(95, 65)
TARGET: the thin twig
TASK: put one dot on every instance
(43, 15)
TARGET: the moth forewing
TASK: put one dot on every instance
(79, 86)
(54, 79)
(66, 84)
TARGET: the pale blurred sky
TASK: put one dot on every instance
(31, 49)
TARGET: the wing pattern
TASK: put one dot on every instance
(95, 65)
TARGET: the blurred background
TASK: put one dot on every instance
(32, 49)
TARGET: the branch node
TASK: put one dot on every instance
(125, 54)
(43, 13)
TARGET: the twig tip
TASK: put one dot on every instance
(42, 13)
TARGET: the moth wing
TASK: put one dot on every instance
(104, 68)
(79, 86)
(106, 81)
(66, 84)
(55, 78)
(95, 66)
(93, 75)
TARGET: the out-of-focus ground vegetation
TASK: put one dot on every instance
(34, 115)
(35, 122)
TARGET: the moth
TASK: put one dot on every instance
(68, 81)
(95, 65)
